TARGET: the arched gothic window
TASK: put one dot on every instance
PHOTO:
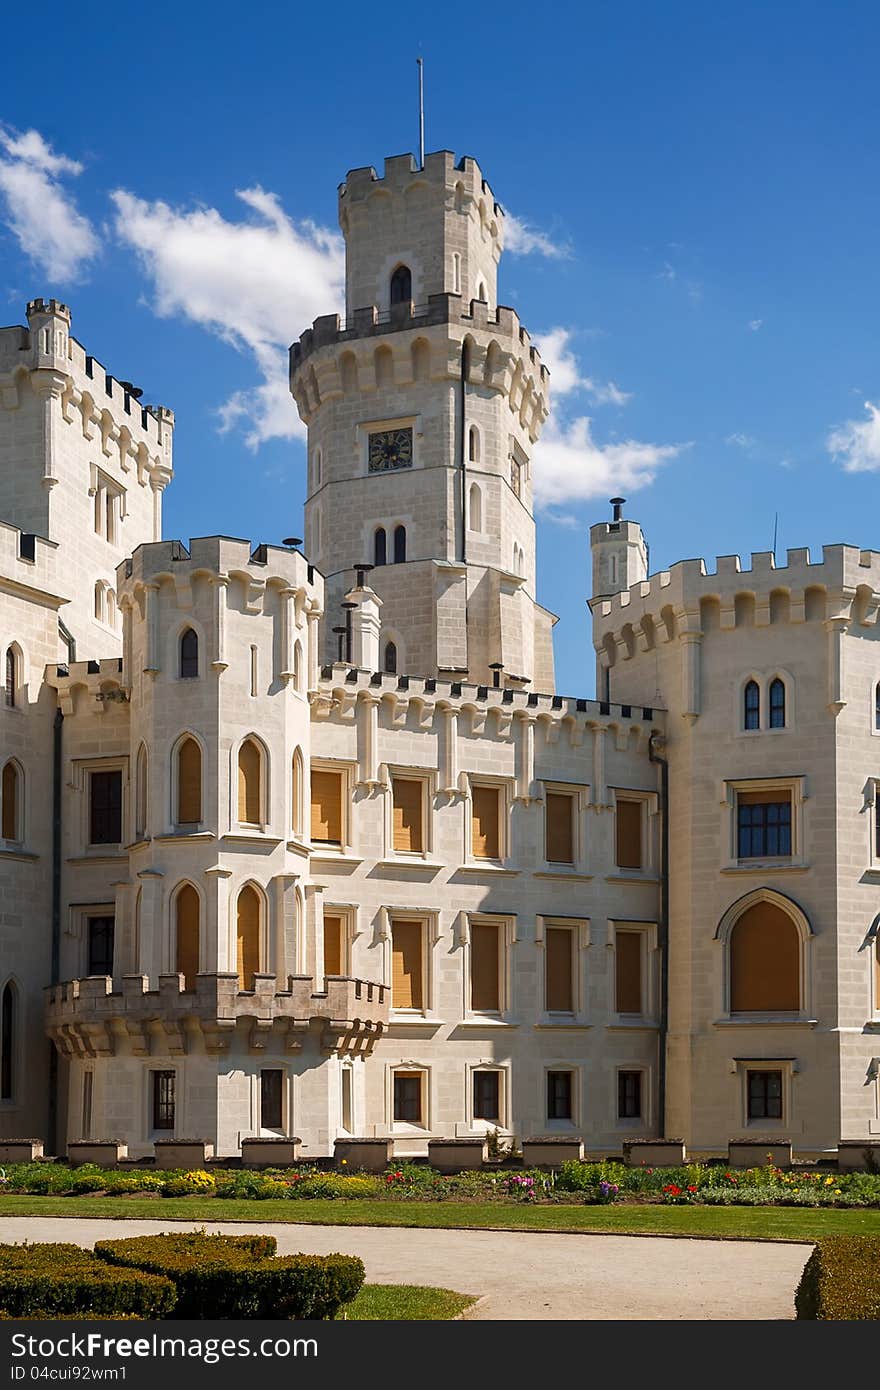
(765, 962)
(475, 508)
(390, 662)
(250, 791)
(401, 285)
(140, 792)
(187, 913)
(189, 654)
(189, 782)
(399, 544)
(473, 444)
(777, 704)
(752, 706)
(248, 937)
(10, 673)
(380, 547)
(10, 802)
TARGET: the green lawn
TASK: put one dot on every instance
(768, 1223)
(405, 1303)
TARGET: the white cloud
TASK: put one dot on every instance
(39, 211)
(256, 283)
(521, 239)
(742, 441)
(856, 443)
(571, 466)
(565, 371)
(755, 324)
(668, 272)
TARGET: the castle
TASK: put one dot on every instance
(299, 839)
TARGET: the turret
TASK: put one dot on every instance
(620, 553)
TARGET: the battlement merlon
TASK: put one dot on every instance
(849, 579)
(402, 171)
(502, 354)
(29, 565)
(56, 361)
(222, 558)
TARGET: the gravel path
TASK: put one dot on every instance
(524, 1275)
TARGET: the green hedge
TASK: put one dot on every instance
(237, 1276)
(841, 1280)
(55, 1280)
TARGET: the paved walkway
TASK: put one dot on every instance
(524, 1275)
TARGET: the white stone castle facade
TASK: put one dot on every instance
(299, 839)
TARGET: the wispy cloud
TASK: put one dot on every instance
(742, 441)
(256, 283)
(571, 466)
(566, 375)
(856, 443)
(755, 324)
(668, 272)
(39, 210)
(522, 239)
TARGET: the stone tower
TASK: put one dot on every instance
(423, 409)
(619, 551)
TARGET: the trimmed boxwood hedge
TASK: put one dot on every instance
(841, 1280)
(239, 1277)
(55, 1280)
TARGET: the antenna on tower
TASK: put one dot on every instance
(421, 68)
(775, 532)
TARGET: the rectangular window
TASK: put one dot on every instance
(407, 988)
(326, 807)
(408, 1097)
(100, 945)
(765, 1095)
(487, 1095)
(559, 1095)
(485, 961)
(271, 1099)
(406, 796)
(559, 993)
(628, 834)
(628, 972)
(560, 828)
(485, 823)
(163, 1099)
(105, 808)
(347, 1107)
(629, 1095)
(333, 954)
(88, 1084)
(763, 825)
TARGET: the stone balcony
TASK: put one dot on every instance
(89, 1018)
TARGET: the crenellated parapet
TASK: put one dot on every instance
(213, 556)
(336, 357)
(462, 183)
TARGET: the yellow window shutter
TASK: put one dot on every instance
(249, 799)
(629, 834)
(485, 827)
(628, 971)
(326, 806)
(406, 965)
(332, 945)
(764, 962)
(557, 949)
(248, 937)
(484, 966)
(189, 783)
(187, 946)
(560, 837)
(406, 796)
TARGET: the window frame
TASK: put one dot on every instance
(578, 795)
(479, 1124)
(258, 827)
(561, 1123)
(179, 826)
(731, 788)
(505, 925)
(789, 1067)
(764, 680)
(426, 778)
(347, 912)
(347, 771)
(579, 927)
(428, 923)
(647, 932)
(409, 1069)
(91, 915)
(19, 837)
(648, 810)
(505, 798)
(96, 767)
(283, 1127)
(155, 1104)
(197, 673)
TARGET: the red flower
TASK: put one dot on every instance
(691, 1188)
(672, 1189)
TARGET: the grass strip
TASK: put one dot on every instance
(405, 1303)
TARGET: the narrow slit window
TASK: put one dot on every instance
(752, 706)
(777, 704)
(333, 964)
(628, 972)
(272, 1098)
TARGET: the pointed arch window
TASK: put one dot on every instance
(250, 777)
(248, 936)
(189, 654)
(380, 548)
(473, 444)
(140, 793)
(751, 706)
(189, 782)
(9, 679)
(10, 802)
(765, 972)
(401, 285)
(399, 545)
(475, 507)
(297, 794)
(8, 1023)
(777, 703)
(187, 914)
(390, 660)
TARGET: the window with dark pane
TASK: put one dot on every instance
(877, 705)
(763, 825)
(408, 1097)
(777, 704)
(765, 1095)
(401, 285)
(271, 1097)
(163, 1099)
(559, 1095)
(629, 1095)
(752, 706)
(101, 931)
(399, 545)
(486, 1095)
(9, 690)
(105, 810)
(189, 654)
(380, 547)
(390, 663)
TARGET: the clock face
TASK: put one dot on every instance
(390, 449)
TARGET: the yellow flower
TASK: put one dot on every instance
(344, 1162)
(829, 1182)
(837, 1192)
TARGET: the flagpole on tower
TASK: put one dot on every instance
(421, 113)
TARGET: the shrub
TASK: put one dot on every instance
(195, 1183)
(841, 1280)
(237, 1276)
(331, 1185)
(55, 1280)
(118, 1184)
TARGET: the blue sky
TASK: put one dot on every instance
(696, 193)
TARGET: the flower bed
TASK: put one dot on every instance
(575, 1182)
